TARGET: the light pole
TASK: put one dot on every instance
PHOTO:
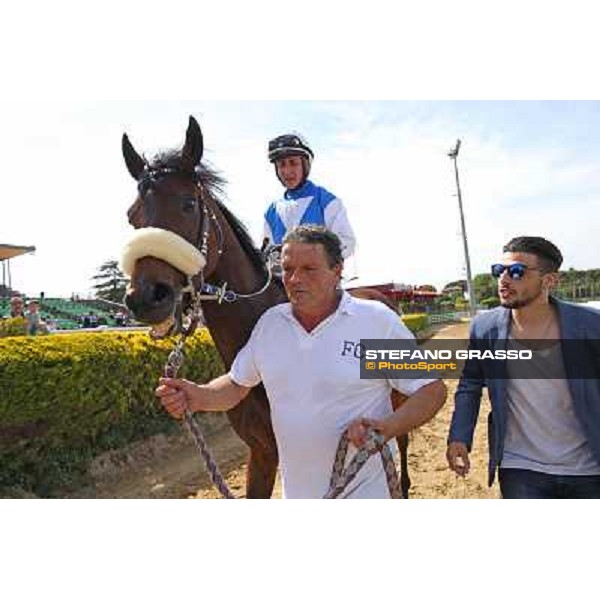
(453, 154)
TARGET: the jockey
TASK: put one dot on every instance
(303, 202)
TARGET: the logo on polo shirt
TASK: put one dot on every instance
(354, 349)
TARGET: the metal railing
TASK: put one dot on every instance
(448, 317)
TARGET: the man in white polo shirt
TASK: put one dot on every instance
(306, 353)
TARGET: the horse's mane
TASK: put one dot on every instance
(241, 233)
(214, 184)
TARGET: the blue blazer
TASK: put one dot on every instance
(489, 330)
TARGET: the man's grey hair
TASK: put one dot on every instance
(317, 234)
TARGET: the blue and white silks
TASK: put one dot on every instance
(310, 204)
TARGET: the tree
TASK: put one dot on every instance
(111, 282)
(485, 286)
(453, 287)
(579, 285)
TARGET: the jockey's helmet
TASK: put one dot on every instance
(289, 144)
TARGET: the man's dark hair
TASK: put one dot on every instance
(548, 254)
(317, 234)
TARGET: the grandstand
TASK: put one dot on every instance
(8, 251)
(67, 314)
(64, 314)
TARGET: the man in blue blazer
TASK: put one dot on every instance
(544, 426)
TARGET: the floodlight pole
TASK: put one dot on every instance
(453, 154)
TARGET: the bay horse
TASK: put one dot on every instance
(189, 237)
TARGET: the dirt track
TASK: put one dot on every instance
(170, 467)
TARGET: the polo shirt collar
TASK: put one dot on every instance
(347, 305)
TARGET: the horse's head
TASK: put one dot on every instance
(171, 217)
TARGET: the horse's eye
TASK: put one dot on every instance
(188, 204)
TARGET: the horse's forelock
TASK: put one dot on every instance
(210, 179)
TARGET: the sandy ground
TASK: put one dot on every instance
(169, 467)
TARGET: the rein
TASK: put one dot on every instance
(374, 444)
(209, 291)
(174, 363)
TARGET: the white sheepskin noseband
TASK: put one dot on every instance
(165, 245)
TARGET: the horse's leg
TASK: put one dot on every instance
(398, 400)
(262, 469)
(251, 420)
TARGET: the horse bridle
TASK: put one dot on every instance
(205, 291)
(150, 177)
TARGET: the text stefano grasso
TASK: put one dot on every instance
(448, 354)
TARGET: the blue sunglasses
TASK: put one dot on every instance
(515, 271)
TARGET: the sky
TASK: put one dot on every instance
(525, 168)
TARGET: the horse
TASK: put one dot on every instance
(187, 238)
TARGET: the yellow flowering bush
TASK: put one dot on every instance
(73, 395)
(416, 322)
(13, 327)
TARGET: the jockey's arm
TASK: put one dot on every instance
(267, 235)
(336, 219)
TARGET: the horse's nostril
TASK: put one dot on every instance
(152, 303)
(162, 293)
(159, 295)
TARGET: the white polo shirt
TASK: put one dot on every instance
(315, 391)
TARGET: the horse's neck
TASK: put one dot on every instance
(230, 324)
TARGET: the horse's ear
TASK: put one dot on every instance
(135, 163)
(194, 146)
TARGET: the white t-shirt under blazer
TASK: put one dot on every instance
(315, 390)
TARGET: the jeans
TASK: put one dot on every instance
(521, 483)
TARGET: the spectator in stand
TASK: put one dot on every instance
(35, 324)
(16, 308)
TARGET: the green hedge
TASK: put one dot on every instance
(65, 398)
(416, 322)
(13, 327)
